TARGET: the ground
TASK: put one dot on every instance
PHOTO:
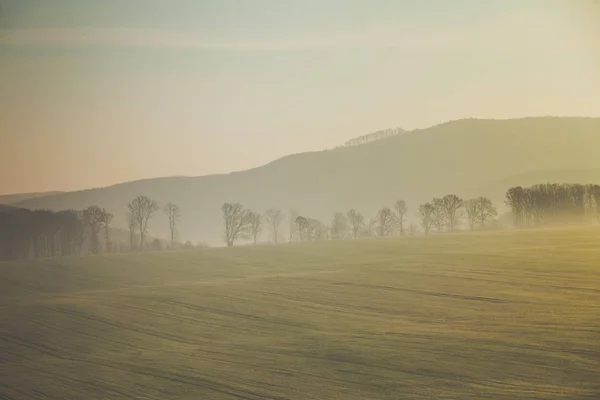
(508, 315)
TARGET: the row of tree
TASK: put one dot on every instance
(140, 211)
(545, 203)
(448, 212)
(26, 234)
(441, 214)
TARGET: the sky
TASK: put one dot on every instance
(94, 93)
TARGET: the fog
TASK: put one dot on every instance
(311, 199)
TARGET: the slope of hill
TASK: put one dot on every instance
(15, 198)
(462, 157)
(506, 315)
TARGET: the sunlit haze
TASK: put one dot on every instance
(94, 93)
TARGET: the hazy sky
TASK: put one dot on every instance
(98, 92)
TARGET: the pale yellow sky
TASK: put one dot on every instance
(100, 95)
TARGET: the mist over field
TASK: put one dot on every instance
(340, 199)
(470, 158)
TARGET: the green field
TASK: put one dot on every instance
(511, 315)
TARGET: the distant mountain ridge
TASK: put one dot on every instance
(469, 157)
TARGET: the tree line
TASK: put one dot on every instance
(550, 204)
(26, 234)
(443, 214)
(29, 234)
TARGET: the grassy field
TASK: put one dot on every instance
(511, 315)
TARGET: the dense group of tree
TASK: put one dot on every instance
(27, 234)
(550, 204)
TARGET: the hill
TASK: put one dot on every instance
(15, 198)
(511, 315)
(468, 157)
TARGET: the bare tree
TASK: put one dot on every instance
(427, 211)
(452, 204)
(515, 200)
(339, 226)
(106, 220)
(274, 219)
(93, 218)
(142, 210)
(472, 209)
(357, 221)
(301, 227)
(311, 229)
(237, 222)
(173, 214)
(401, 209)
(486, 211)
(439, 214)
(386, 221)
(132, 225)
(256, 225)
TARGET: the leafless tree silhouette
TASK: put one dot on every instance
(357, 221)
(427, 212)
(401, 209)
(274, 218)
(173, 214)
(472, 209)
(237, 221)
(339, 226)
(452, 204)
(386, 221)
(142, 210)
(256, 225)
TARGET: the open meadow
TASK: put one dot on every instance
(505, 315)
